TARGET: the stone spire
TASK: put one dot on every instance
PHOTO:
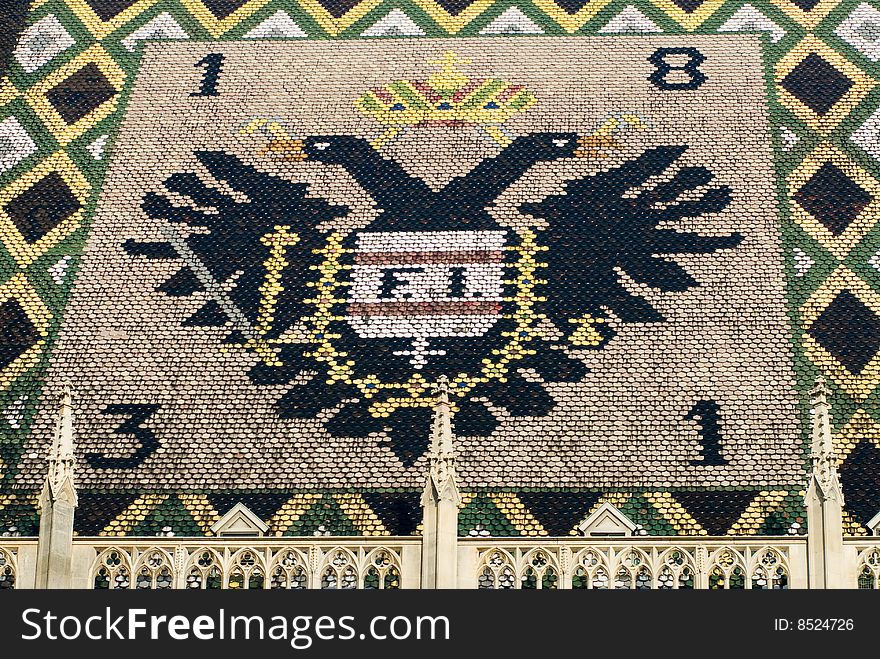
(61, 458)
(824, 499)
(822, 456)
(57, 503)
(441, 452)
(440, 499)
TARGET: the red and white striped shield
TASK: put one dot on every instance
(426, 284)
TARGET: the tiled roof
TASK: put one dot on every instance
(653, 356)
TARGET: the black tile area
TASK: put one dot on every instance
(264, 505)
(42, 207)
(339, 8)
(816, 83)
(455, 7)
(559, 512)
(85, 90)
(715, 511)
(223, 8)
(860, 480)
(689, 6)
(408, 437)
(95, 511)
(849, 330)
(571, 6)
(400, 512)
(107, 9)
(17, 332)
(832, 198)
(806, 5)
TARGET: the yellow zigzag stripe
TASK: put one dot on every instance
(288, 514)
(517, 514)
(861, 427)
(134, 514)
(756, 512)
(203, 513)
(851, 526)
(360, 514)
(674, 513)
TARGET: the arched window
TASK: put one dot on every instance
(496, 570)
(726, 570)
(247, 571)
(869, 569)
(289, 570)
(591, 570)
(632, 571)
(676, 570)
(383, 570)
(339, 570)
(769, 571)
(7, 570)
(113, 570)
(539, 571)
(204, 570)
(154, 571)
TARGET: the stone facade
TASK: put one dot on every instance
(254, 253)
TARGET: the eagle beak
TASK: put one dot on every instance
(591, 146)
(285, 149)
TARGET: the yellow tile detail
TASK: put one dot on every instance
(136, 512)
(332, 25)
(453, 23)
(290, 512)
(218, 26)
(8, 92)
(809, 19)
(19, 288)
(517, 514)
(823, 123)
(25, 252)
(99, 27)
(571, 22)
(64, 132)
(674, 513)
(861, 427)
(858, 385)
(690, 21)
(851, 526)
(360, 514)
(203, 513)
(838, 245)
(756, 512)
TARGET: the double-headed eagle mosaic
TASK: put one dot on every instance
(360, 324)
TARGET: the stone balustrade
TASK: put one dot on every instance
(754, 562)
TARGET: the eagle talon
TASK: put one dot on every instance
(285, 149)
(591, 146)
(280, 146)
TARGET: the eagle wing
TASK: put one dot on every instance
(223, 246)
(612, 221)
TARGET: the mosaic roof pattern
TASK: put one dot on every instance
(62, 101)
(497, 263)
